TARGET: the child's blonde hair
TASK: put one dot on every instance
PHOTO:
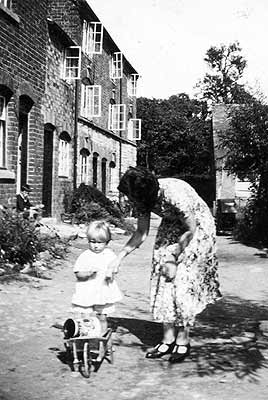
(99, 230)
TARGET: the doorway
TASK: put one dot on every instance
(48, 170)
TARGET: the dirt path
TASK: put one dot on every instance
(229, 357)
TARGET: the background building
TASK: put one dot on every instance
(231, 192)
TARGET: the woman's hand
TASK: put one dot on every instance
(175, 250)
(169, 271)
(169, 266)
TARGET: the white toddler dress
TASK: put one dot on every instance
(96, 290)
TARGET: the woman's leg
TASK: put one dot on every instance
(169, 333)
(182, 346)
(183, 335)
(167, 343)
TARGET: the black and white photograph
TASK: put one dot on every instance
(133, 200)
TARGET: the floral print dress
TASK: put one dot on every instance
(196, 281)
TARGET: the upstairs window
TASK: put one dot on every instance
(134, 129)
(92, 37)
(64, 154)
(132, 85)
(3, 113)
(90, 101)
(6, 3)
(117, 117)
(116, 71)
(72, 63)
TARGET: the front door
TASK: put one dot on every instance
(47, 172)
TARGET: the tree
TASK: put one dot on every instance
(176, 137)
(246, 147)
(222, 85)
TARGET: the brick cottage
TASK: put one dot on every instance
(67, 103)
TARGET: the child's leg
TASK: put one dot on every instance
(80, 312)
(103, 321)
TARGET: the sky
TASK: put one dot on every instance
(166, 40)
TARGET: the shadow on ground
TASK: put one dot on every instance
(226, 338)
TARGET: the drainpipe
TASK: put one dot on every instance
(120, 132)
(75, 135)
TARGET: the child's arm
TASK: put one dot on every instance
(84, 275)
(82, 269)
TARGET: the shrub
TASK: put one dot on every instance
(252, 226)
(20, 241)
(90, 203)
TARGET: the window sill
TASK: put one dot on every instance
(63, 176)
(10, 13)
(7, 175)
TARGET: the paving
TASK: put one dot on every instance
(229, 342)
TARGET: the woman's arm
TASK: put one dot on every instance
(187, 236)
(138, 237)
(175, 250)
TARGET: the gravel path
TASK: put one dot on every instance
(229, 356)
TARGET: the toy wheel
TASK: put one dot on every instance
(110, 351)
(85, 366)
(111, 354)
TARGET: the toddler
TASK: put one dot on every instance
(95, 294)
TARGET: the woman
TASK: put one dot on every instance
(184, 273)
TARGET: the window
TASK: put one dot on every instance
(117, 117)
(134, 129)
(72, 62)
(2, 132)
(92, 37)
(84, 166)
(90, 101)
(116, 71)
(6, 3)
(64, 149)
(132, 85)
(25, 106)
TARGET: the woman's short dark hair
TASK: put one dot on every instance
(142, 186)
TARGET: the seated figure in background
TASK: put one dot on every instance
(25, 206)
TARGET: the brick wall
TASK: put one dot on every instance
(22, 71)
(58, 108)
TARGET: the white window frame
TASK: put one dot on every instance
(92, 37)
(117, 117)
(132, 85)
(90, 101)
(3, 131)
(116, 69)
(73, 71)
(6, 3)
(134, 129)
(64, 158)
